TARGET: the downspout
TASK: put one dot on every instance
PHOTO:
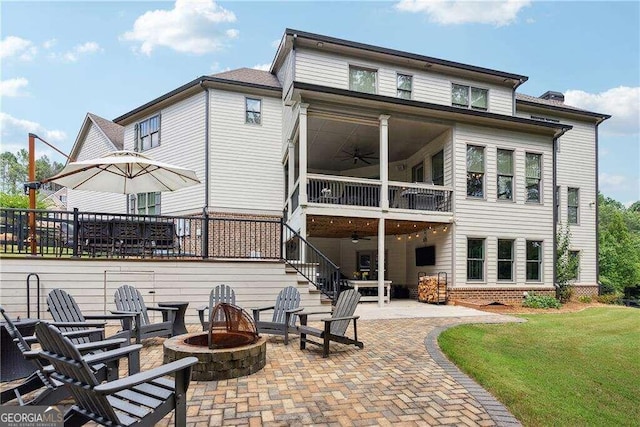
(597, 209)
(207, 161)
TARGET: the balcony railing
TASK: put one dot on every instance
(333, 190)
(423, 197)
(346, 191)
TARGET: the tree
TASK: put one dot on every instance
(619, 257)
(566, 264)
(14, 170)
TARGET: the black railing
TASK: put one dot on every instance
(419, 198)
(312, 264)
(92, 234)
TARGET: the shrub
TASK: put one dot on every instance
(606, 287)
(585, 299)
(614, 298)
(540, 301)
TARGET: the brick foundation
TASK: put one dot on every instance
(503, 295)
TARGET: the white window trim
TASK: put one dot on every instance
(366, 68)
(469, 86)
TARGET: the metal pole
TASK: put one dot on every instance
(32, 193)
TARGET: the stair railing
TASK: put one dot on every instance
(312, 264)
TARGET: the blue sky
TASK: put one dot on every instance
(63, 59)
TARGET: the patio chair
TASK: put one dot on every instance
(142, 399)
(129, 300)
(283, 321)
(63, 308)
(53, 390)
(335, 327)
(221, 293)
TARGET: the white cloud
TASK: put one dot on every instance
(13, 87)
(606, 180)
(73, 55)
(452, 12)
(276, 43)
(622, 103)
(49, 43)
(11, 124)
(18, 47)
(192, 26)
(263, 67)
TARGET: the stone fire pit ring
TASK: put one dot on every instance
(217, 364)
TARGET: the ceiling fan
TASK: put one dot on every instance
(355, 238)
(356, 155)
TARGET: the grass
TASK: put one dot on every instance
(571, 369)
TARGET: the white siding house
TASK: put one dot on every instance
(367, 150)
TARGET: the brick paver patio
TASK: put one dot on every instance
(399, 378)
(392, 381)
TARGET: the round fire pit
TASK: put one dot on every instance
(216, 364)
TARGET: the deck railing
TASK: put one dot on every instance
(347, 191)
(107, 235)
(417, 196)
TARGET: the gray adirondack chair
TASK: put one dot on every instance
(53, 391)
(142, 399)
(63, 308)
(221, 293)
(335, 326)
(284, 317)
(129, 300)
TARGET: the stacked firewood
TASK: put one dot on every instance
(431, 290)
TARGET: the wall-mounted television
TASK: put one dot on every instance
(426, 255)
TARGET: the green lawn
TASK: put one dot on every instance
(572, 369)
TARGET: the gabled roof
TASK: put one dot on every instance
(113, 132)
(250, 75)
(556, 105)
(426, 60)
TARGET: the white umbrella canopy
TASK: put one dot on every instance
(124, 172)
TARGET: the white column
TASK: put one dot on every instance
(384, 161)
(302, 152)
(381, 262)
(291, 178)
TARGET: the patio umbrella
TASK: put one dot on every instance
(125, 172)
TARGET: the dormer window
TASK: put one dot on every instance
(363, 80)
(469, 97)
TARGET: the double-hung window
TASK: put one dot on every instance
(253, 111)
(437, 168)
(363, 80)
(475, 259)
(573, 203)
(533, 171)
(475, 171)
(469, 97)
(145, 203)
(505, 260)
(505, 174)
(148, 134)
(534, 261)
(405, 85)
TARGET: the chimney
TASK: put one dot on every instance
(553, 96)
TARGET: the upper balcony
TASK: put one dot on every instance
(374, 163)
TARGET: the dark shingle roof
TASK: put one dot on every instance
(250, 75)
(113, 131)
(557, 105)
